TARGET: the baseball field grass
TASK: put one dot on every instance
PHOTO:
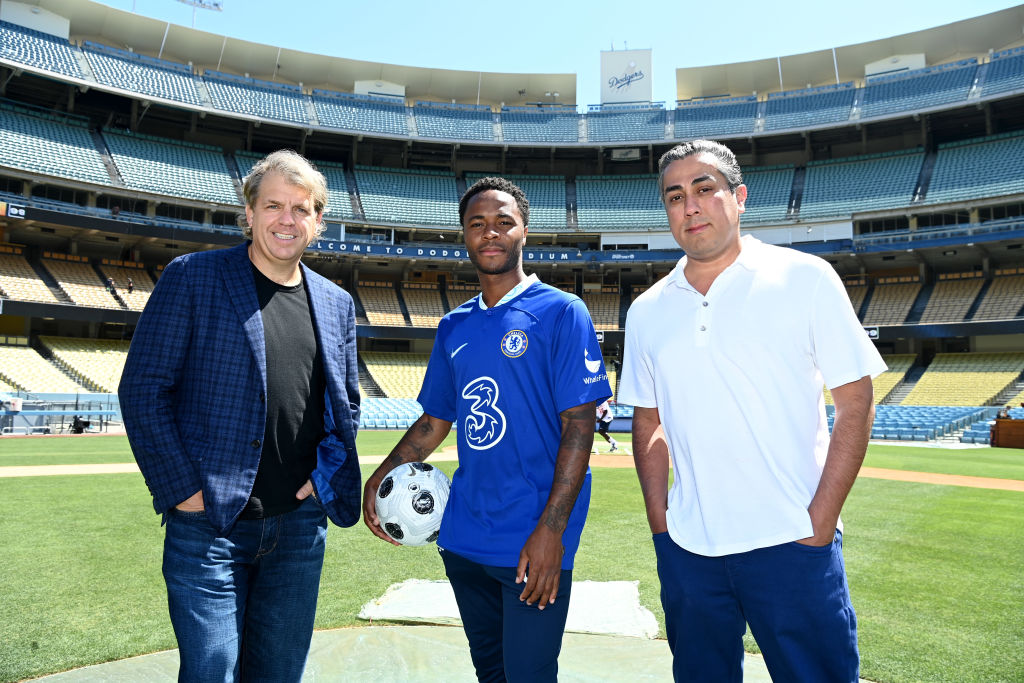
(935, 570)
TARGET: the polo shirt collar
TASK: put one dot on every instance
(749, 246)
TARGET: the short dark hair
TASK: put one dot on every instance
(501, 185)
(726, 161)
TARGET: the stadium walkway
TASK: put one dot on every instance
(398, 654)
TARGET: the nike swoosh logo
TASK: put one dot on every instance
(459, 349)
(592, 365)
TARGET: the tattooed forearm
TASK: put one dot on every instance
(423, 437)
(570, 465)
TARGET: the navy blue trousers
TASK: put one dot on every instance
(794, 597)
(508, 639)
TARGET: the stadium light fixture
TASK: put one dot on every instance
(215, 5)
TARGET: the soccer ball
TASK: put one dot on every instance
(410, 503)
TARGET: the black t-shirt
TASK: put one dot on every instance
(295, 398)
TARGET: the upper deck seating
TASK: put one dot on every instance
(920, 89)
(454, 121)
(619, 203)
(845, 186)
(50, 144)
(413, 197)
(715, 118)
(262, 99)
(978, 168)
(373, 114)
(540, 124)
(808, 108)
(622, 123)
(38, 50)
(141, 74)
(177, 169)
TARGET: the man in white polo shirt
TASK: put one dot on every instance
(725, 360)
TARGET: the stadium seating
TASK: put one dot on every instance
(546, 195)
(856, 289)
(891, 301)
(262, 99)
(540, 124)
(120, 273)
(1005, 296)
(339, 202)
(177, 169)
(984, 167)
(95, 363)
(807, 108)
(920, 423)
(461, 292)
(38, 50)
(965, 379)
(897, 365)
(845, 186)
(386, 115)
(952, 297)
(1005, 72)
(410, 197)
(51, 144)
(921, 89)
(141, 74)
(454, 121)
(768, 191)
(603, 307)
(423, 301)
(79, 280)
(19, 281)
(388, 413)
(22, 367)
(715, 118)
(619, 203)
(622, 124)
(380, 301)
(399, 375)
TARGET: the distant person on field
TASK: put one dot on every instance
(604, 420)
(725, 359)
(520, 370)
(240, 397)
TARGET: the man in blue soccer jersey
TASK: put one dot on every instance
(522, 351)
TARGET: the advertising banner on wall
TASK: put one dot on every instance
(625, 76)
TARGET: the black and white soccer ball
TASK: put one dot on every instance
(410, 503)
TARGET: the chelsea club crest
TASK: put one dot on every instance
(514, 343)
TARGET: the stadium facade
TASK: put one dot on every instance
(124, 141)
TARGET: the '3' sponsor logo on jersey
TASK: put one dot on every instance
(484, 424)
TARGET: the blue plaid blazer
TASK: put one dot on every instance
(194, 385)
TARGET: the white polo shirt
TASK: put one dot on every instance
(737, 379)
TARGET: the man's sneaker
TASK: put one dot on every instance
(614, 448)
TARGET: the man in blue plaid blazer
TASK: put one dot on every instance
(240, 396)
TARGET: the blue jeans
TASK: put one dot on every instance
(242, 605)
(794, 597)
(508, 639)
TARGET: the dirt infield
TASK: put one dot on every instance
(596, 460)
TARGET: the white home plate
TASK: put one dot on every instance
(608, 607)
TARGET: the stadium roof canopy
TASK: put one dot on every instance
(960, 40)
(117, 28)
(93, 21)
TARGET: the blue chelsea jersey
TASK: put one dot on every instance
(502, 376)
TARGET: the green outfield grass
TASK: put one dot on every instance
(934, 570)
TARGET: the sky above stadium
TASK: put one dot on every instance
(548, 36)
